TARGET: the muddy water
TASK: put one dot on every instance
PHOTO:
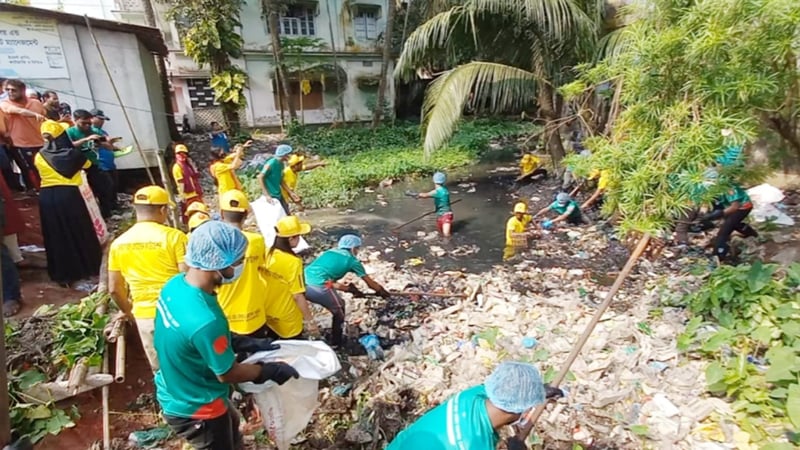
(486, 193)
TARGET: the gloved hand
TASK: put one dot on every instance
(411, 194)
(547, 224)
(552, 392)
(384, 294)
(252, 345)
(513, 443)
(279, 372)
(713, 215)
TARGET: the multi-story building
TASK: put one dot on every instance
(354, 28)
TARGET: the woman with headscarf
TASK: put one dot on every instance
(187, 179)
(73, 250)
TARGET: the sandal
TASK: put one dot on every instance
(11, 308)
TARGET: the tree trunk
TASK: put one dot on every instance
(150, 20)
(277, 54)
(339, 92)
(553, 135)
(387, 58)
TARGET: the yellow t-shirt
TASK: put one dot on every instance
(515, 225)
(50, 177)
(147, 255)
(243, 300)
(177, 175)
(290, 178)
(529, 165)
(225, 174)
(604, 175)
(284, 278)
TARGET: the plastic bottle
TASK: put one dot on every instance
(372, 345)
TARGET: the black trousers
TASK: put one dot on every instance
(221, 433)
(23, 156)
(333, 302)
(733, 222)
(103, 188)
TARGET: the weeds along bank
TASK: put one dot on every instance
(360, 156)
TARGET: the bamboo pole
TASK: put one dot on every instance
(527, 422)
(106, 421)
(159, 156)
(420, 217)
(77, 376)
(119, 363)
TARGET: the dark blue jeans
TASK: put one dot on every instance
(11, 288)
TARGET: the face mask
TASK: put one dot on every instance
(237, 272)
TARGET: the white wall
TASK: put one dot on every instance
(100, 9)
(135, 76)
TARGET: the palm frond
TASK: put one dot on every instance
(502, 87)
(559, 18)
(426, 39)
(613, 44)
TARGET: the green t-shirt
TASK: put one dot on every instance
(273, 175)
(441, 200)
(462, 422)
(89, 149)
(736, 194)
(193, 343)
(332, 265)
(571, 207)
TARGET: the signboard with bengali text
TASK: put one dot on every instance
(30, 47)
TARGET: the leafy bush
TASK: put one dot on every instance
(360, 156)
(756, 345)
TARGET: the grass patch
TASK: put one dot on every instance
(359, 156)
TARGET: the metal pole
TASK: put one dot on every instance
(159, 156)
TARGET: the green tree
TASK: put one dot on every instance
(210, 30)
(688, 70)
(500, 55)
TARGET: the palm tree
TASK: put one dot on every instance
(500, 55)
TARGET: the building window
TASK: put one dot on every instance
(313, 100)
(298, 21)
(365, 24)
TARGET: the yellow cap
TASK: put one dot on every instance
(520, 208)
(233, 200)
(151, 195)
(180, 148)
(527, 157)
(198, 219)
(291, 226)
(196, 207)
(295, 159)
(53, 128)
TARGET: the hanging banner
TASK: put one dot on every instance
(30, 48)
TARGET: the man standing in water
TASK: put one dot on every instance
(441, 201)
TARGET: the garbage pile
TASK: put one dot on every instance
(629, 383)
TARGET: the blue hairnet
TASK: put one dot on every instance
(283, 150)
(349, 241)
(215, 246)
(515, 387)
(439, 178)
(562, 198)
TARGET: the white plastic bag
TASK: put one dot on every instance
(287, 409)
(268, 213)
(764, 196)
(98, 222)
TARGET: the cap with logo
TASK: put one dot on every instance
(233, 200)
(151, 195)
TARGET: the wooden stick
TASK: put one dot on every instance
(119, 362)
(106, 421)
(422, 216)
(56, 391)
(77, 375)
(427, 294)
(526, 425)
(577, 188)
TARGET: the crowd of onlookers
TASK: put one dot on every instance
(47, 149)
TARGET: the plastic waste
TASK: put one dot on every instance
(372, 345)
(151, 437)
(547, 224)
(288, 408)
(529, 342)
(267, 215)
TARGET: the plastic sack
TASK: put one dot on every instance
(764, 196)
(267, 215)
(287, 409)
(99, 224)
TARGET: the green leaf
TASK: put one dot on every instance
(759, 276)
(639, 430)
(30, 378)
(791, 329)
(778, 446)
(549, 375)
(793, 405)
(38, 412)
(763, 334)
(714, 372)
(723, 336)
(782, 361)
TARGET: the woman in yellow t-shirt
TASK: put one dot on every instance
(529, 168)
(287, 309)
(291, 172)
(223, 168)
(73, 251)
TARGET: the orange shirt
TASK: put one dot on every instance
(24, 131)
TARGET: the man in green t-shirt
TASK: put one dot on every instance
(733, 208)
(322, 281)
(88, 139)
(196, 354)
(471, 418)
(566, 208)
(271, 178)
(441, 202)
